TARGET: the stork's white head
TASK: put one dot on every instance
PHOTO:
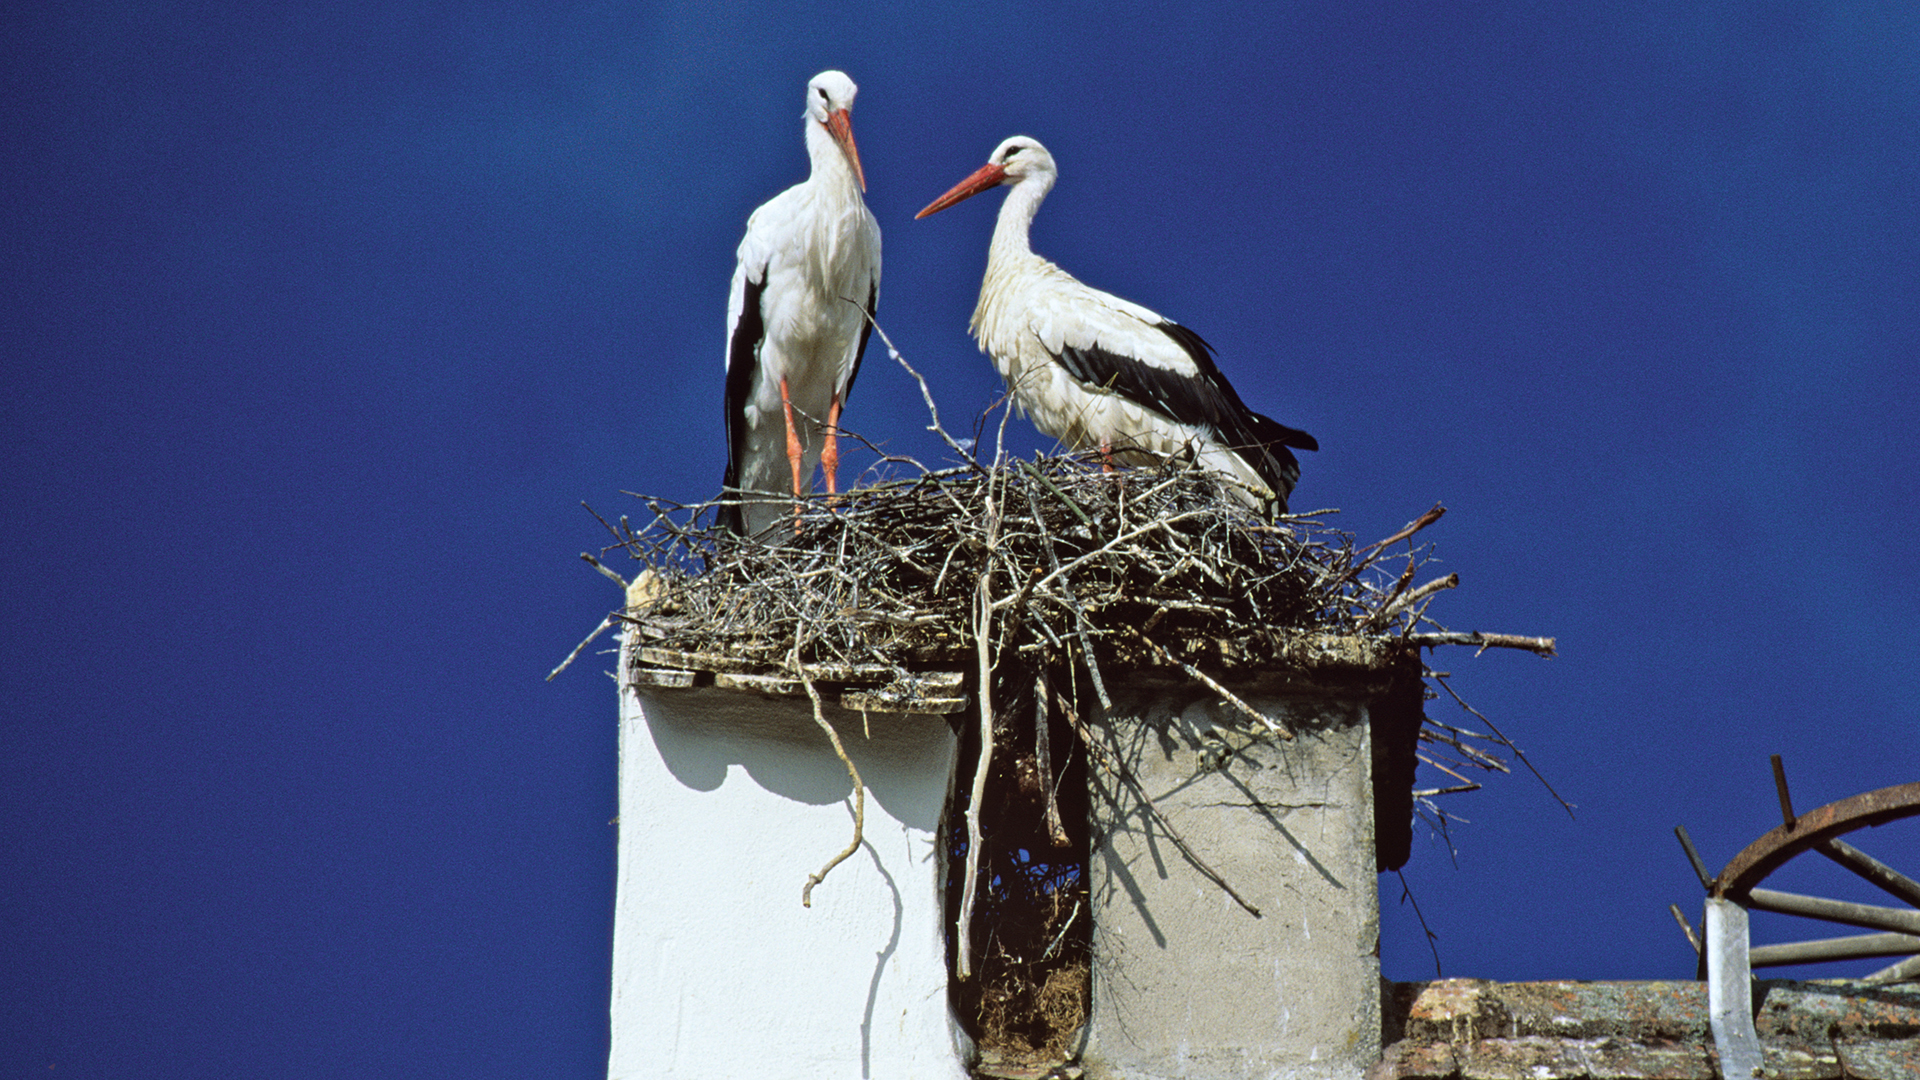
(830, 104)
(1014, 160)
(1020, 157)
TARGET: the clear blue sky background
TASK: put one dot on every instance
(319, 325)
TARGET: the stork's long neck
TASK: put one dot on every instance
(1010, 254)
(1011, 243)
(832, 173)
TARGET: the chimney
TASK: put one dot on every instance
(1244, 704)
(1273, 969)
(731, 800)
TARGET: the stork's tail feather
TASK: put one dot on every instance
(1263, 444)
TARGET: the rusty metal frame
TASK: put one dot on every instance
(1726, 957)
(1805, 832)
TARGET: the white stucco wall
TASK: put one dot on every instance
(728, 801)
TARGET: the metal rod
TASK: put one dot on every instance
(1699, 867)
(1786, 800)
(1875, 871)
(1858, 947)
(1905, 971)
(1685, 927)
(1840, 911)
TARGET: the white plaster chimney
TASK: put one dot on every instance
(729, 800)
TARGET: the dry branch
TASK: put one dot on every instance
(859, 797)
(982, 634)
(1405, 533)
(1544, 646)
(1213, 684)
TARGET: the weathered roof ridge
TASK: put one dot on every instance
(1474, 1029)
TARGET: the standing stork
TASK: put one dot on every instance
(808, 274)
(1092, 369)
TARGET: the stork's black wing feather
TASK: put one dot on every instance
(1205, 400)
(743, 362)
(866, 328)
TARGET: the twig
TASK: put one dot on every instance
(859, 794)
(1544, 646)
(1054, 945)
(1406, 893)
(611, 531)
(1446, 770)
(1405, 532)
(1517, 752)
(1388, 611)
(1107, 548)
(1079, 613)
(933, 411)
(1057, 493)
(982, 630)
(1043, 754)
(1399, 585)
(1427, 793)
(597, 631)
(597, 565)
(1212, 684)
(1685, 927)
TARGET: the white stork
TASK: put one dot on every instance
(809, 269)
(1092, 369)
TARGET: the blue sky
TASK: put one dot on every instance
(319, 326)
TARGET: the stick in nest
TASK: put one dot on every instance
(982, 643)
(1212, 684)
(977, 794)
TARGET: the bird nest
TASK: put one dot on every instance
(1152, 566)
(901, 595)
(917, 594)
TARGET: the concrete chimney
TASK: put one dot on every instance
(731, 796)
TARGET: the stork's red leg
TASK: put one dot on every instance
(830, 452)
(1106, 454)
(794, 457)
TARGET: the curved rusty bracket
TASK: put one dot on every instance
(1810, 830)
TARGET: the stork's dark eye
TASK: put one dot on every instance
(822, 91)
(1008, 156)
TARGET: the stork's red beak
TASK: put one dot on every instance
(840, 126)
(988, 176)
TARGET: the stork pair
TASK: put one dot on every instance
(1090, 369)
